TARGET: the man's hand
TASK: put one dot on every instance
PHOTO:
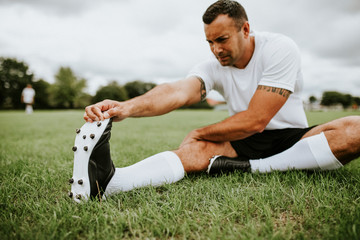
(105, 109)
(190, 138)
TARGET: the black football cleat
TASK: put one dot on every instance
(93, 167)
(221, 164)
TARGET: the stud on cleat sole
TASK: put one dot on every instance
(74, 148)
(77, 130)
(80, 182)
(86, 148)
(71, 180)
(99, 124)
(92, 136)
(78, 196)
(70, 194)
(84, 137)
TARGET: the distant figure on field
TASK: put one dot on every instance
(27, 97)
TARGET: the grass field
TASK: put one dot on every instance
(36, 163)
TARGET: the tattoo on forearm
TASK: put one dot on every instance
(202, 89)
(283, 92)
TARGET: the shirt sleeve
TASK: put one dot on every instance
(281, 61)
(205, 71)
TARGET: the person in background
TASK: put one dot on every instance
(27, 97)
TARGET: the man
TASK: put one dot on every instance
(259, 75)
(27, 97)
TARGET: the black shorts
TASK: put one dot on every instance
(268, 142)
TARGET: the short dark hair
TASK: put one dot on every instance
(228, 7)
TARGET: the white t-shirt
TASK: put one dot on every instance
(275, 62)
(28, 95)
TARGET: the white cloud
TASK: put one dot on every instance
(320, 75)
(60, 8)
(328, 28)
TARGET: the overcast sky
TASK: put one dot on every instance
(160, 40)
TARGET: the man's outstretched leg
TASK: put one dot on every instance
(166, 167)
(162, 168)
(95, 175)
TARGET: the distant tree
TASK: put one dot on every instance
(112, 91)
(347, 100)
(312, 99)
(14, 76)
(332, 98)
(67, 88)
(356, 100)
(137, 88)
(42, 89)
(83, 100)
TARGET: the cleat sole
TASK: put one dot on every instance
(81, 185)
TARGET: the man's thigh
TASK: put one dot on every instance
(195, 156)
(350, 124)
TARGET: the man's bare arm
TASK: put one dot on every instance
(265, 103)
(160, 100)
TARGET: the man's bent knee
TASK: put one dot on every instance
(352, 139)
(195, 156)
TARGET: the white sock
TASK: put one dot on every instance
(311, 153)
(165, 167)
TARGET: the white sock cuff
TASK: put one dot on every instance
(175, 164)
(320, 148)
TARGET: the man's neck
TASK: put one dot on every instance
(247, 55)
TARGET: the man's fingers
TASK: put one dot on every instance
(106, 115)
(93, 112)
(90, 115)
(87, 119)
(103, 110)
(97, 109)
(113, 112)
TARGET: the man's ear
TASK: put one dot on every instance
(246, 29)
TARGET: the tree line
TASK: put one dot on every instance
(331, 98)
(68, 90)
